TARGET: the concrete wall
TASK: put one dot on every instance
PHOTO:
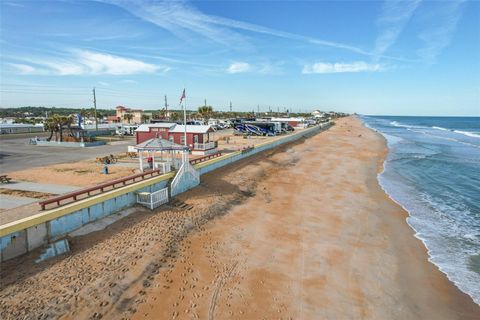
(33, 232)
(43, 143)
(20, 242)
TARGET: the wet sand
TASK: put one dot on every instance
(302, 232)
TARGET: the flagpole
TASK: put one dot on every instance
(185, 118)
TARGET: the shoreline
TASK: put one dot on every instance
(408, 214)
(303, 231)
(442, 299)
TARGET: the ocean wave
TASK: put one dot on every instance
(401, 125)
(444, 226)
(449, 260)
(467, 133)
(446, 138)
(440, 128)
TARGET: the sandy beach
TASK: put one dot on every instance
(300, 232)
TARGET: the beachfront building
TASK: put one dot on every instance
(199, 138)
(128, 115)
(294, 122)
(153, 130)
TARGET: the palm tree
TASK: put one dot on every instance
(64, 121)
(50, 125)
(174, 116)
(145, 118)
(128, 117)
(205, 111)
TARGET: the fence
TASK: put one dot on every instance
(101, 188)
(204, 146)
(205, 158)
(154, 199)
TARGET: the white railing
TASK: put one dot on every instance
(186, 171)
(204, 146)
(154, 199)
(189, 169)
(164, 167)
(176, 179)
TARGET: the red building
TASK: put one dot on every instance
(153, 130)
(198, 136)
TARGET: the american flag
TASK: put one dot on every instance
(183, 96)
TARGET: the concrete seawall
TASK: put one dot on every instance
(35, 231)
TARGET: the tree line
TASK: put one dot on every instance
(27, 112)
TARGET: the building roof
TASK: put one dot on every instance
(146, 126)
(159, 144)
(289, 119)
(180, 128)
(122, 108)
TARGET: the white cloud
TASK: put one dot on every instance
(183, 20)
(63, 68)
(81, 62)
(100, 63)
(443, 19)
(23, 68)
(394, 16)
(357, 66)
(239, 67)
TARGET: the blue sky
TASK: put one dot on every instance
(373, 57)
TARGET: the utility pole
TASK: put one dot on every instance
(258, 108)
(230, 106)
(95, 109)
(205, 103)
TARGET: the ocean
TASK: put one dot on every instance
(433, 171)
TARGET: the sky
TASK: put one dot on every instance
(410, 57)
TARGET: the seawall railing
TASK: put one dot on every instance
(75, 195)
(205, 158)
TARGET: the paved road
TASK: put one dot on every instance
(17, 154)
(10, 202)
(39, 187)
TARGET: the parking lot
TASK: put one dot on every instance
(17, 154)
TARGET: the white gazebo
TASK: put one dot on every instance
(167, 150)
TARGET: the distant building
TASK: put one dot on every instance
(136, 115)
(20, 128)
(113, 119)
(294, 122)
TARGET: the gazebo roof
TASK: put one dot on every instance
(158, 144)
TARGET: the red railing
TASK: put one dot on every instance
(205, 158)
(101, 187)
